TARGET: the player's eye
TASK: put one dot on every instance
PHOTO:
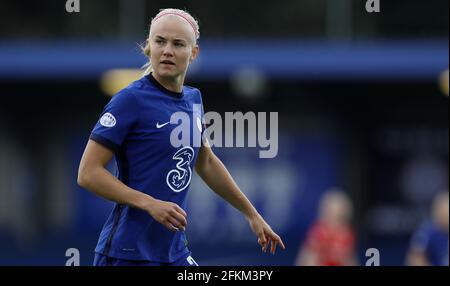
(179, 44)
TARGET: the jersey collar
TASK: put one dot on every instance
(163, 89)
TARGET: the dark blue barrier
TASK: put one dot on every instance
(219, 59)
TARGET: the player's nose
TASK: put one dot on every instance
(168, 51)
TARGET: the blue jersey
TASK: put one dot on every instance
(433, 241)
(136, 125)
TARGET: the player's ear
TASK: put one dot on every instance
(194, 54)
(147, 48)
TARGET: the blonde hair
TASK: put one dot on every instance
(163, 12)
(333, 197)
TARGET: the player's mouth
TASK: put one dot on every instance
(167, 62)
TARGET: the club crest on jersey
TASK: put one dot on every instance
(179, 178)
(108, 120)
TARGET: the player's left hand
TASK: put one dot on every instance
(265, 234)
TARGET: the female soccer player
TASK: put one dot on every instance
(331, 240)
(146, 226)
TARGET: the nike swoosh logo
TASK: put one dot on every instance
(161, 125)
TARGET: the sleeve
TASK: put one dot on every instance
(117, 119)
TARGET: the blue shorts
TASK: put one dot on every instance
(102, 260)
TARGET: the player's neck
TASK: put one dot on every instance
(172, 84)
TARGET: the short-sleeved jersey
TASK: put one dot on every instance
(433, 242)
(136, 125)
(332, 246)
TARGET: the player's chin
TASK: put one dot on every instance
(168, 73)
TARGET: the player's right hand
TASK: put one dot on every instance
(169, 214)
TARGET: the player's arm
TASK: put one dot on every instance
(93, 176)
(217, 177)
(307, 257)
(417, 252)
(416, 257)
(308, 254)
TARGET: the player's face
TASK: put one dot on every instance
(172, 46)
(336, 210)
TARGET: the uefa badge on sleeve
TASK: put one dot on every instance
(108, 120)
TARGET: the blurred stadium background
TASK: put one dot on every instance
(358, 95)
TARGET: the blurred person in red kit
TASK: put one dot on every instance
(331, 239)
